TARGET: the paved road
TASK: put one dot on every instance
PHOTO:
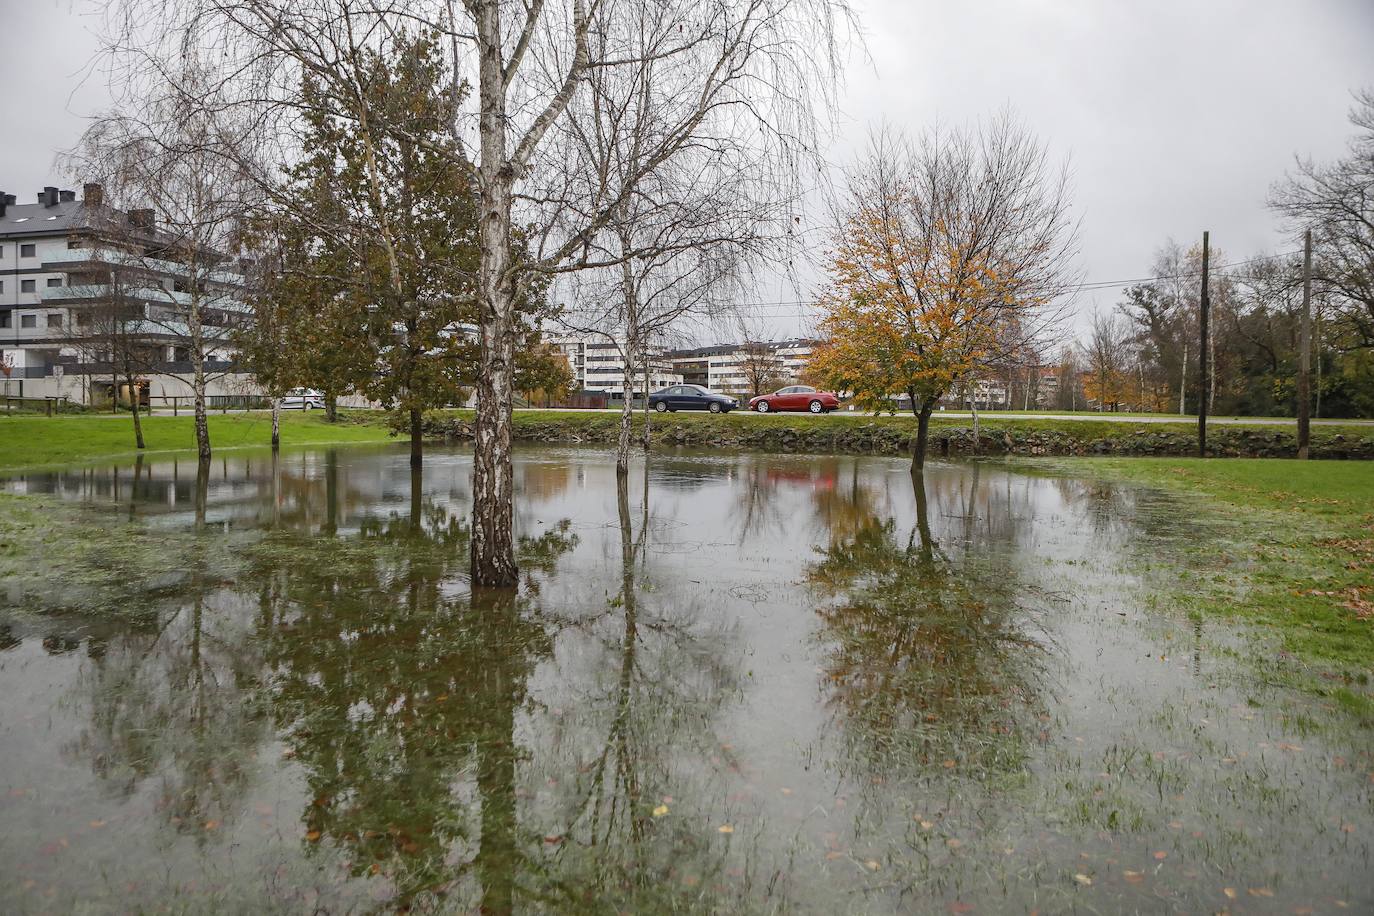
(948, 414)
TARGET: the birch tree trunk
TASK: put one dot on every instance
(627, 290)
(648, 414)
(193, 323)
(493, 545)
(276, 423)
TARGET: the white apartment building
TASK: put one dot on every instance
(725, 367)
(58, 260)
(597, 365)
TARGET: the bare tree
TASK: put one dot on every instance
(112, 328)
(1107, 357)
(1336, 202)
(166, 162)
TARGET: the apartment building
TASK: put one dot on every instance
(597, 365)
(733, 368)
(70, 270)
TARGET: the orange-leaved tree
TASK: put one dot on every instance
(947, 251)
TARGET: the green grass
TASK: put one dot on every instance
(35, 441)
(1291, 551)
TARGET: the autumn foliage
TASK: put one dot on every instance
(948, 251)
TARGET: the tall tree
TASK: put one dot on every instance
(1334, 200)
(760, 68)
(946, 251)
(167, 155)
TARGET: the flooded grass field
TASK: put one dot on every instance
(733, 683)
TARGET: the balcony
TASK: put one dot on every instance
(77, 295)
(74, 259)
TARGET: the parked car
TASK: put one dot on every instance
(302, 399)
(691, 397)
(796, 397)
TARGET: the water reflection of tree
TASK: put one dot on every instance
(180, 699)
(636, 727)
(930, 658)
(392, 686)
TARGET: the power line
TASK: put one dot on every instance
(1086, 286)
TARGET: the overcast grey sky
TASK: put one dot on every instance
(1176, 115)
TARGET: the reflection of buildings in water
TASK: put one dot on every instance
(543, 479)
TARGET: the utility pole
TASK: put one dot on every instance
(1305, 352)
(1203, 363)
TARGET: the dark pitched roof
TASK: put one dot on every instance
(36, 219)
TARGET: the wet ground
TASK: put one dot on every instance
(734, 683)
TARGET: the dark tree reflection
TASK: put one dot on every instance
(394, 687)
(931, 663)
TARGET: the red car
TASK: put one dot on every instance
(796, 397)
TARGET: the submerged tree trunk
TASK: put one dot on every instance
(276, 423)
(417, 432)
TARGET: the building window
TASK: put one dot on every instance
(28, 321)
(26, 286)
(54, 281)
(5, 319)
(55, 320)
(26, 251)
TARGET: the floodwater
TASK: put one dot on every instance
(735, 683)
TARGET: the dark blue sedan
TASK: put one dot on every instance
(691, 397)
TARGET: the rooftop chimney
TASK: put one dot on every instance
(66, 197)
(94, 194)
(48, 196)
(5, 201)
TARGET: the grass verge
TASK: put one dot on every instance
(27, 441)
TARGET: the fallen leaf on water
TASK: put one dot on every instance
(212, 825)
(660, 810)
(313, 835)
(786, 791)
(1261, 892)
(834, 854)
(553, 839)
(949, 764)
(959, 907)
(953, 844)
(1347, 828)
(96, 825)
(725, 828)
(1289, 747)
(1230, 892)
(926, 825)
(1083, 879)
(1134, 877)
(1161, 855)
(873, 865)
